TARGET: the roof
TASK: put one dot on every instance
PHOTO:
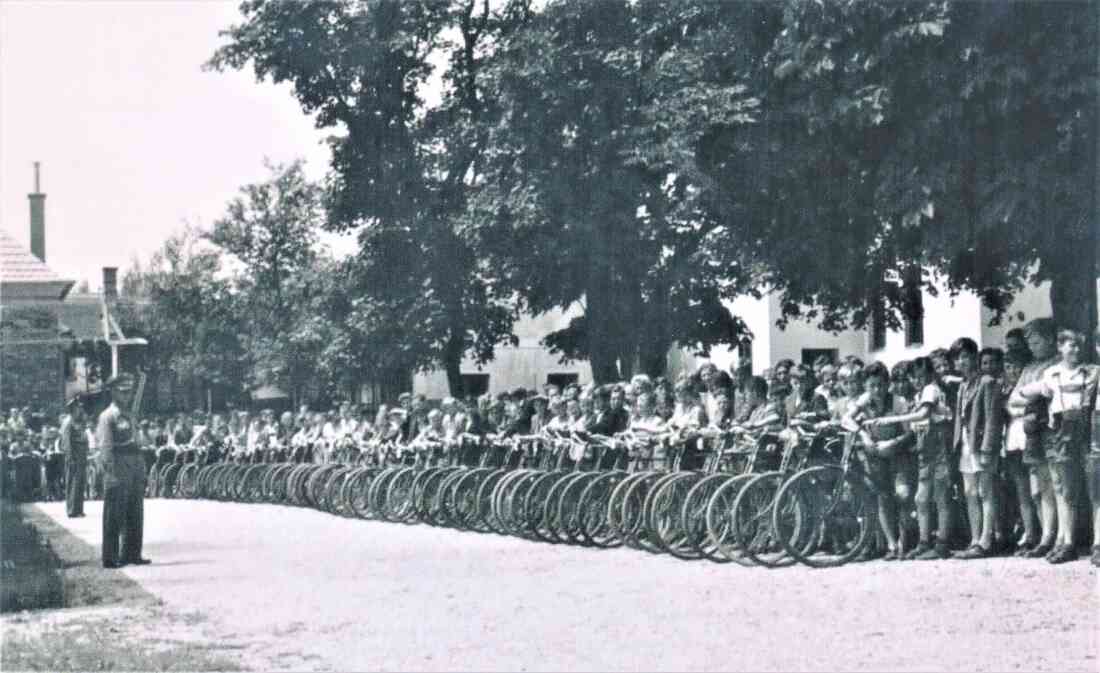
(83, 315)
(22, 275)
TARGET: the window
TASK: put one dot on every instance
(561, 380)
(810, 355)
(744, 351)
(914, 310)
(474, 385)
(878, 325)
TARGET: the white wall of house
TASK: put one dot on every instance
(1030, 303)
(946, 318)
(804, 334)
(526, 365)
(755, 314)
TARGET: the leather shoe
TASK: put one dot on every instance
(111, 566)
(139, 562)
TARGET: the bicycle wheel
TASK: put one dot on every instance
(536, 504)
(460, 497)
(399, 503)
(633, 524)
(693, 516)
(664, 518)
(823, 516)
(752, 521)
(485, 517)
(593, 511)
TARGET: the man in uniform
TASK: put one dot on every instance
(123, 477)
(74, 445)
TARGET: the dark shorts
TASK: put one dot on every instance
(1070, 438)
(1035, 448)
(880, 473)
(933, 461)
(1013, 463)
(1092, 476)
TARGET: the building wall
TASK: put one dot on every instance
(755, 314)
(800, 334)
(946, 318)
(526, 365)
(31, 365)
(1030, 303)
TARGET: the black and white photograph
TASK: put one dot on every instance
(550, 335)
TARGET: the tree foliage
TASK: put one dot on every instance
(398, 168)
(589, 194)
(955, 137)
(649, 161)
(185, 306)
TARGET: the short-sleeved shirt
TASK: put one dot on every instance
(115, 430)
(772, 407)
(935, 398)
(685, 416)
(895, 406)
(1070, 388)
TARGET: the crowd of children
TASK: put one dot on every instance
(1009, 433)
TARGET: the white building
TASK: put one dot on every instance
(527, 365)
(946, 318)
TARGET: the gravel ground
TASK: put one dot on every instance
(294, 589)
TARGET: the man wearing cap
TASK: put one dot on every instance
(123, 477)
(74, 445)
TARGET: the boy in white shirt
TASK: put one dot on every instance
(1070, 386)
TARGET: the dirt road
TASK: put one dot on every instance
(285, 588)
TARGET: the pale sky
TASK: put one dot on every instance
(134, 137)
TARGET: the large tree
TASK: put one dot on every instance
(270, 232)
(954, 137)
(184, 305)
(399, 166)
(587, 198)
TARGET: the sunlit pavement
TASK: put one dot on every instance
(351, 594)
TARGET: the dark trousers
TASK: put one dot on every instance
(76, 477)
(124, 511)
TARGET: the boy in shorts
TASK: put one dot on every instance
(929, 420)
(1070, 386)
(977, 440)
(882, 444)
(1092, 465)
(1016, 471)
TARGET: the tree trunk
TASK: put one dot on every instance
(1073, 303)
(452, 364)
(1072, 270)
(598, 317)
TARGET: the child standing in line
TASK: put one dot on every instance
(929, 419)
(1016, 470)
(977, 439)
(882, 443)
(1092, 464)
(1070, 386)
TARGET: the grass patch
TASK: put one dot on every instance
(109, 640)
(30, 570)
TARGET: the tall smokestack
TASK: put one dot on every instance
(38, 218)
(110, 283)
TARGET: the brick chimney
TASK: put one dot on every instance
(110, 283)
(38, 219)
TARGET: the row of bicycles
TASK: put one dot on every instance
(766, 500)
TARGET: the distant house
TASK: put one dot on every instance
(944, 319)
(41, 321)
(31, 348)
